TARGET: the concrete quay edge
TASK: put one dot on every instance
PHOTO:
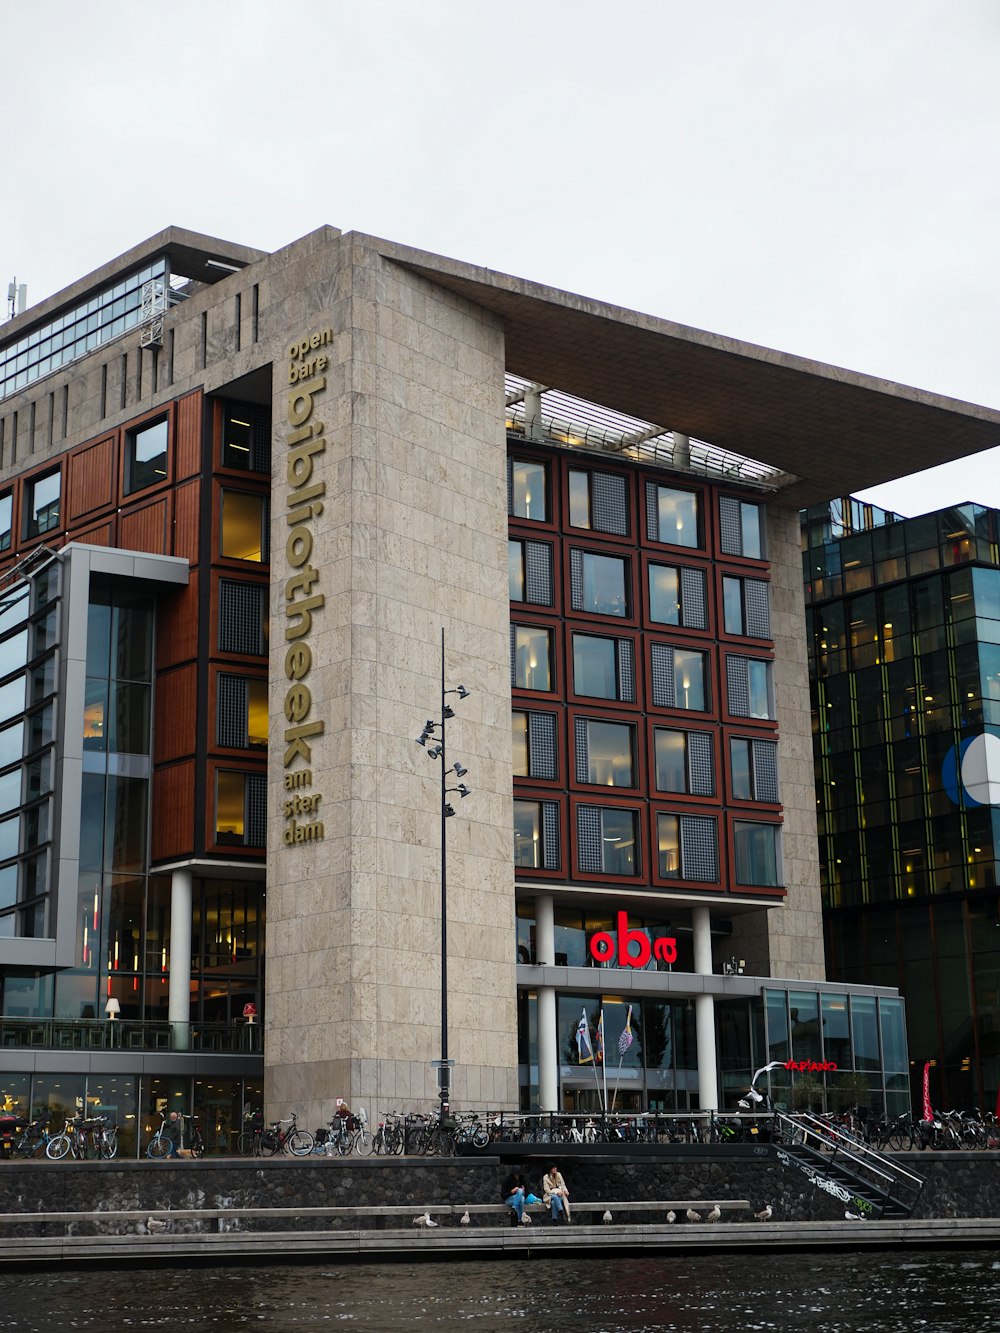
(456, 1242)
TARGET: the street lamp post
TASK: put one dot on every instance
(436, 731)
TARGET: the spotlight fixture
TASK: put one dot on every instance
(459, 771)
(435, 752)
(449, 810)
(463, 790)
(462, 692)
(448, 711)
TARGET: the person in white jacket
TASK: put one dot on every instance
(555, 1194)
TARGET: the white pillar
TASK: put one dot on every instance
(548, 1032)
(704, 1013)
(533, 414)
(179, 993)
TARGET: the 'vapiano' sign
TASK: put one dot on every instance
(304, 504)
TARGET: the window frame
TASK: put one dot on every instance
(130, 463)
(265, 525)
(591, 630)
(627, 577)
(30, 527)
(698, 494)
(549, 630)
(512, 460)
(580, 803)
(777, 889)
(606, 718)
(679, 880)
(656, 725)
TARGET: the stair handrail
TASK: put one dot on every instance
(870, 1159)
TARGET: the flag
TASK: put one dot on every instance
(625, 1040)
(599, 1043)
(928, 1112)
(584, 1049)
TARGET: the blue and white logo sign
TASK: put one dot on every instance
(970, 774)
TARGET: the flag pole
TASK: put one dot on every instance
(604, 1062)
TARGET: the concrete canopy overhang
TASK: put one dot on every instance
(835, 431)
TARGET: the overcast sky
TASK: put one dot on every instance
(817, 178)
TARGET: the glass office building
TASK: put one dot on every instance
(903, 624)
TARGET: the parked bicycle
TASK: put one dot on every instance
(33, 1139)
(285, 1136)
(388, 1137)
(84, 1138)
(248, 1143)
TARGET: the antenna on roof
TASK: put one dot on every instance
(17, 298)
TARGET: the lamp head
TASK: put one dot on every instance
(460, 772)
(462, 692)
(434, 752)
(449, 810)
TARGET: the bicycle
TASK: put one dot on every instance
(84, 1138)
(275, 1139)
(195, 1142)
(160, 1144)
(33, 1140)
(248, 1143)
(388, 1138)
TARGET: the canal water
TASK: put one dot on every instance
(892, 1292)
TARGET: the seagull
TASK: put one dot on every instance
(714, 1215)
(671, 1216)
(424, 1220)
(526, 1220)
(607, 1217)
(154, 1224)
(853, 1217)
(764, 1215)
(465, 1219)
(692, 1216)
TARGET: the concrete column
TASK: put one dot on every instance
(682, 450)
(179, 994)
(704, 1012)
(533, 415)
(548, 1034)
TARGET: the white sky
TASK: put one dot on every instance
(817, 178)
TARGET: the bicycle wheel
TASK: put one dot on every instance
(393, 1140)
(158, 1146)
(57, 1148)
(244, 1144)
(198, 1147)
(109, 1144)
(364, 1143)
(268, 1143)
(300, 1143)
(443, 1143)
(416, 1141)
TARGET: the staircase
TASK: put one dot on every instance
(868, 1183)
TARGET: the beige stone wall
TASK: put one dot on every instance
(787, 941)
(412, 538)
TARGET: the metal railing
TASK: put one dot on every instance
(127, 1035)
(870, 1168)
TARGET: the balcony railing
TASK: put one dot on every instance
(58, 1034)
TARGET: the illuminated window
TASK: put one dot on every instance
(598, 500)
(680, 677)
(746, 607)
(536, 835)
(531, 651)
(244, 517)
(749, 688)
(603, 668)
(754, 766)
(242, 712)
(687, 847)
(533, 738)
(529, 572)
(683, 762)
(672, 516)
(145, 457)
(678, 597)
(599, 583)
(741, 527)
(605, 752)
(240, 808)
(606, 840)
(527, 489)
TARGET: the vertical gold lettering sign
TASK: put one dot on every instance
(303, 601)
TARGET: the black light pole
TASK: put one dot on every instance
(439, 751)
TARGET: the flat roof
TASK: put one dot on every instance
(837, 431)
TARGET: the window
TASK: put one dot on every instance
(533, 737)
(240, 808)
(605, 752)
(42, 501)
(741, 528)
(754, 767)
(687, 847)
(683, 762)
(680, 677)
(244, 526)
(746, 607)
(678, 597)
(536, 835)
(529, 566)
(672, 516)
(748, 686)
(242, 713)
(598, 500)
(603, 668)
(606, 840)
(246, 437)
(242, 617)
(145, 457)
(599, 583)
(527, 489)
(6, 519)
(530, 657)
(756, 854)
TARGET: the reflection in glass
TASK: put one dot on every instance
(595, 670)
(618, 842)
(678, 517)
(739, 751)
(12, 698)
(11, 744)
(671, 760)
(515, 571)
(668, 846)
(732, 603)
(604, 590)
(689, 678)
(531, 658)
(756, 852)
(528, 487)
(528, 834)
(43, 504)
(610, 757)
(257, 714)
(664, 595)
(146, 458)
(229, 807)
(13, 652)
(759, 680)
(579, 499)
(519, 743)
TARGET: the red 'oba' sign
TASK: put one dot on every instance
(602, 946)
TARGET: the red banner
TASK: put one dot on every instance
(928, 1113)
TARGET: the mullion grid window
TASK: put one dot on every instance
(741, 528)
(749, 687)
(591, 836)
(233, 712)
(698, 762)
(688, 847)
(606, 501)
(755, 769)
(241, 617)
(752, 609)
(542, 751)
(668, 682)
